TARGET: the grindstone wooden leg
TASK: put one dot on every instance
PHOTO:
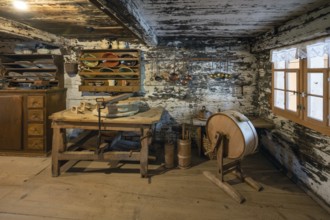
(225, 187)
(251, 182)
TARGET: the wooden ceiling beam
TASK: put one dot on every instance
(27, 32)
(129, 17)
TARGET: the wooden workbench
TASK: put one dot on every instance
(141, 123)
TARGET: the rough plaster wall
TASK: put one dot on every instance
(303, 152)
(183, 102)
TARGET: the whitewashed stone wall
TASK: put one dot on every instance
(182, 102)
(303, 153)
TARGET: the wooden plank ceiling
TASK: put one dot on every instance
(68, 18)
(149, 20)
(225, 18)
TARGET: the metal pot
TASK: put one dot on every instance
(204, 114)
(174, 77)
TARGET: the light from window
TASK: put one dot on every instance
(279, 99)
(279, 65)
(315, 108)
(315, 83)
(293, 64)
(291, 101)
(279, 80)
(291, 81)
(318, 62)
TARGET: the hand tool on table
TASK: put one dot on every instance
(101, 104)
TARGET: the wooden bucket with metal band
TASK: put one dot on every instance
(184, 153)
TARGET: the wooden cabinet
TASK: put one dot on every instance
(24, 124)
(11, 121)
(33, 70)
(110, 70)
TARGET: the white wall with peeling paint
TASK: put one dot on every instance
(303, 153)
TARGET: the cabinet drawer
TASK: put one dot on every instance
(36, 115)
(35, 143)
(35, 129)
(35, 101)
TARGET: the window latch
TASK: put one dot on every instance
(303, 94)
(300, 107)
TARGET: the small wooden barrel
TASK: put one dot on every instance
(241, 134)
(184, 153)
(169, 155)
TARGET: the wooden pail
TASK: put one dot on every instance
(184, 153)
(169, 155)
(241, 134)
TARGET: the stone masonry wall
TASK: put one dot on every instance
(183, 101)
(304, 153)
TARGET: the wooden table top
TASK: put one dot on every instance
(149, 117)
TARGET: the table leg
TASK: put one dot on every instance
(57, 147)
(144, 152)
(199, 140)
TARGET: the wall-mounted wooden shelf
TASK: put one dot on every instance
(110, 70)
(32, 68)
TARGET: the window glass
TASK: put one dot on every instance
(291, 82)
(279, 80)
(279, 99)
(293, 64)
(291, 101)
(279, 65)
(315, 83)
(317, 62)
(315, 108)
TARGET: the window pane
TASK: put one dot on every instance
(279, 65)
(315, 83)
(279, 80)
(317, 62)
(291, 101)
(279, 99)
(315, 108)
(291, 81)
(293, 64)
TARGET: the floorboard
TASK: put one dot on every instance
(95, 190)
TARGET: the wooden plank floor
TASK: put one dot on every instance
(92, 190)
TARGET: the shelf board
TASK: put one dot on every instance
(31, 56)
(109, 59)
(114, 67)
(109, 88)
(95, 73)
(111, 50)
(32, 69)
